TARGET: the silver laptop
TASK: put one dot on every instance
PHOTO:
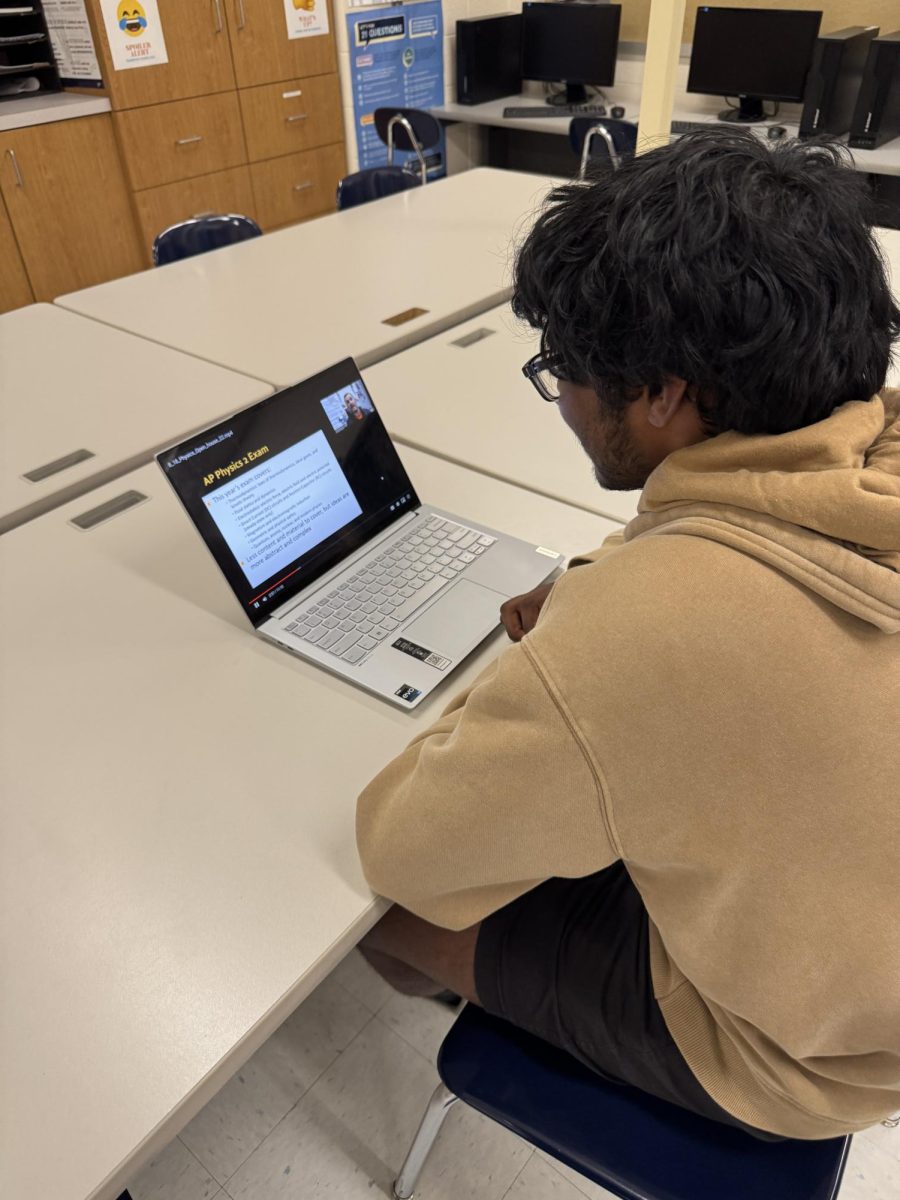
(308, 511)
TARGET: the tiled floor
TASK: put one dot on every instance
(328, 1106)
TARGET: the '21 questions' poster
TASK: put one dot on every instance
(396, 57)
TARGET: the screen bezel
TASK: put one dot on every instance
(705, 12)
(532, 17)
(333, 549)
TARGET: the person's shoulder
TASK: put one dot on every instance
(644, 593)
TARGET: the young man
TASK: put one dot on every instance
(661, 830)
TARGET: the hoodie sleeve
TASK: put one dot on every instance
(497, 796)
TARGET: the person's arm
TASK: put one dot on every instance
(494, 798)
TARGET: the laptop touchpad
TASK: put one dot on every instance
(463, 616)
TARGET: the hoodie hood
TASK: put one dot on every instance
(821, 504)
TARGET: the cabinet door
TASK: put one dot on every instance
(65, 191)
(221, 192)
(196, 36)
(15, 290)
(263, 52)
(297, 186)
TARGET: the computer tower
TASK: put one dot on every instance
(488, 58)
(877, 116)
(833, 83)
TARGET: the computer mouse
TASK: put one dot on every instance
(618, 111)
(776, 132)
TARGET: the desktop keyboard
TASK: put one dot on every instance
(557, 110)
(690, 126)
(354, 617)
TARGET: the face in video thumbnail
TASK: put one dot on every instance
(347, 408)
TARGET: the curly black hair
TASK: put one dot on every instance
(746, 268)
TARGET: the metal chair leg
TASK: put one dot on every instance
(438, 1106)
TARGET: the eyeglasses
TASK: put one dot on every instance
(545, 373)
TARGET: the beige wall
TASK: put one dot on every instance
(837, 14)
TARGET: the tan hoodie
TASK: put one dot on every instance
(714, 699)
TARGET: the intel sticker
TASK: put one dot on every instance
(408, 693)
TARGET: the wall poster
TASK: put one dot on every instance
(135, 33)
(396, 57)
(306, 18)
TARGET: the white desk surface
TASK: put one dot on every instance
(69, 384)
(177, 857)
(283, 306)
(883, 161)
(472, 405)
(46, 107)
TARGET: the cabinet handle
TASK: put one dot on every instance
(220, 20)
(301, 187)
(189, 141)
(241, 15)
(296, 117)
(20, 182)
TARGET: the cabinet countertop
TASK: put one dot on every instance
(40, 109)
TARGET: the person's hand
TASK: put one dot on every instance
(519, 615)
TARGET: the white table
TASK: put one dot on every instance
(81, 403)
(177, 848)
(284, 306)
(462, 395)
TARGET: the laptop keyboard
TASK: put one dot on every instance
(356, 616)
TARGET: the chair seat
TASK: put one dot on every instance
(632, 1144)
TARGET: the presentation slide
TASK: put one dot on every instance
(283, 508)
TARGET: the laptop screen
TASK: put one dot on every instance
(290, 486)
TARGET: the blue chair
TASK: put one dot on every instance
(373, 183)
(602, 138)
(408, 129)
(198, 235)
(636, 1146)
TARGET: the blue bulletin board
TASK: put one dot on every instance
(396, 57)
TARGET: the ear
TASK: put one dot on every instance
(664, 405)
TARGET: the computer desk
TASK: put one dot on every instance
(83, 403)
(883, 161)
(462, 395)
(178, 855)
(284, 306)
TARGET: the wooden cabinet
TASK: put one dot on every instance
(197, 46)
(66, 195)
(223, 192)
(284, 118)
(263, 53)
(15, 290)
(297, 186)
(166, 142)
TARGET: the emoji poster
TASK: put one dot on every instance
(306, 18)
(135, 33)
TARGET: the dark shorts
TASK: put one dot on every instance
(570, 963)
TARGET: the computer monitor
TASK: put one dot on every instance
(755, 54)
(573, 43)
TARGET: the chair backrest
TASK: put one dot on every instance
(373, 183)
(603, 138)
(409, 129)
(197, 235)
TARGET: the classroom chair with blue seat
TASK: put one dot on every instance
(372, 183)
(408, 129)
(197, 235)
(605, 139)
(637, 1147)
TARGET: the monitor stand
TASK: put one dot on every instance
(751, 109)
(575, 93)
